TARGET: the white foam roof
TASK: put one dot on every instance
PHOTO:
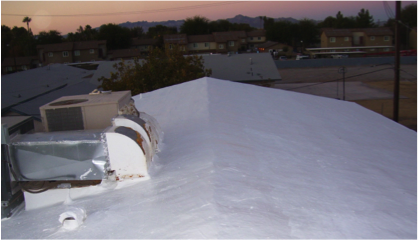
(241, 161)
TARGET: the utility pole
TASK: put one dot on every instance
(342, 70)
(397, 63)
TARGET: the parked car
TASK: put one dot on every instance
(300, 57)
(282, 58)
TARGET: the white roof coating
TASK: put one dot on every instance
(242, 161)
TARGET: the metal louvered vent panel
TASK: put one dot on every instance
(64, 119)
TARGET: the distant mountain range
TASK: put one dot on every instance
(252, 21)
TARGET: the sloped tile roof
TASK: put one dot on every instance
(70, 46)
(338, 32)
(257, 33)
(125, 53)
(229, 36)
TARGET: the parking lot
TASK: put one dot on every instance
(368, 85)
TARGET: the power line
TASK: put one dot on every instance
(338, 79)
(131, 12)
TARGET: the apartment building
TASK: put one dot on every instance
(72, 52)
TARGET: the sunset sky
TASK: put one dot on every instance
(67, 16)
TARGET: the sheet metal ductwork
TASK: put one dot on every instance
(125, 150)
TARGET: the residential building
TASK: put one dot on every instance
(256, 37)
(201, 43)
(18, 64)
(217, 42)
(72, 52)
(173, 40)
(231, 41)
(143, 45)
(358, 37)
(336, 38)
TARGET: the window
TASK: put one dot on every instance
(24, 68)
(77, 53)
(386, 50)
(50, 54)
(91, 51)
(65, 54)
(372, 38)
(372, 49)
(231, 43)
(221, 46)
(386, 38)
(332, 39)
(9, 69)
(251, 38)
(346, 39)
(195, 45)
(259, 38)
(206, 44)
(170, 46)
(243, 40)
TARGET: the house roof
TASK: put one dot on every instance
(338, 32)
(88, 44)
(125, 53)
(349, 32)
(140, 41)
(200, 38)
(23, 90)
(237, 67)
(377, 31)
(70, 46)
(242, 161)
(8, 62)
(56, 47)
(175, 38)
(257, 33)
(229, 36)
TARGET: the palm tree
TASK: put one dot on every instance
(27, 21)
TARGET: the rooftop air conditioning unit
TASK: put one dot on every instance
(84, 112)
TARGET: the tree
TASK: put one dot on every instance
(158, 32)
(364, 19)
(116, 37)
(161, 69)
(27, 20)
(308, 32)
(137, 32)
(409, 15)
(195, 26)
(51, 37)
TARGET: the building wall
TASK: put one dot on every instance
(57, 57)
(339, 41)
(255, 40)
(86, 56)
(378, 41)
(358, 38)
(201, 46)
(413, 39)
